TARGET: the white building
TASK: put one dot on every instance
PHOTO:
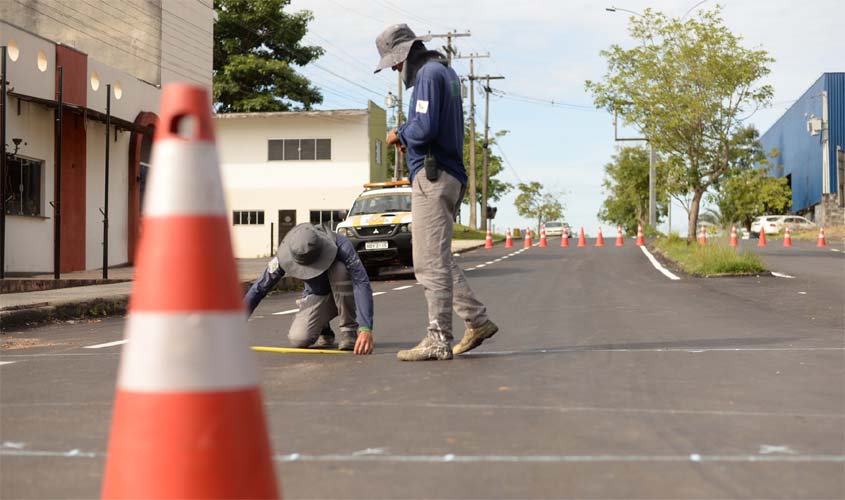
(281, 169)
(135, 47)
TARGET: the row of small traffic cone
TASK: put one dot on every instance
(787, 238)
(564, 241)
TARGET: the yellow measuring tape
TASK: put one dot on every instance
(293, 350)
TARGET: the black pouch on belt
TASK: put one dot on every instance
(432, 168)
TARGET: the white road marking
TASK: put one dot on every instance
(376, 294)
(834, 250)
(781, 275)
(489, 262)
(470, 269)
(802, 293)
(107, 344)
(403, 287)
(666, 350)
(657, 264)
(289, 311)
(480, 266)
(6, 362)
(766, 449)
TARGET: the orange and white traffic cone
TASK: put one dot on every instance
(619, 239)
(702, 236)
(787, 238)
(762, 241)
(543, 241)
(734, 241)
(508, 239)
(188, 418)
(564, 238)
(582, 241)
(488, 241)
(822, 241)
(527, 243)
(600, 239)
(640, 239)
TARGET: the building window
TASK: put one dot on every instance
(327, 218)
(247, 217)
(378, 152)
(299, 149)
(22, 182)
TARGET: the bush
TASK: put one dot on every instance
(713, 259)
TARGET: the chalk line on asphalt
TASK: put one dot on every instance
(107, 344)
(657, 264)
(283, 313)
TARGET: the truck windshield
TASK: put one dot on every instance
(382, 204)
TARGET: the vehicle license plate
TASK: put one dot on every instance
(376, 245)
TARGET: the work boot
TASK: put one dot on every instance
(473, 337)
(326, 339)
(347, 341)
(427, 349)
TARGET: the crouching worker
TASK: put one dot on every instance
(336, 285)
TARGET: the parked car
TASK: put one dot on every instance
(796, 222)
(555, 228)
(773, 224)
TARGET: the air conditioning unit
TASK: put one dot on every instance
(814, 126)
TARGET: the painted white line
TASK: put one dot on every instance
(376, 294)
(834, 250)
(403, 287)
(6, 362)
(480, 266)
(657, 264)
(666, 350)
(781, 275)
(107, 344)
(283, 313)
(456, 255)
(489, 262)
(470, 269)
(802, 293)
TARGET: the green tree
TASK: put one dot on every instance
(496, 188)
(686, 86)
(626, 188)
(750, 193)
(534, 202)
(256, 46)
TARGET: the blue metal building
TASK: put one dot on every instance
(810, 139)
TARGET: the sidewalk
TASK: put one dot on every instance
(24, 309)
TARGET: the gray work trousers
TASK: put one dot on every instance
(433, 209)
(315, 311)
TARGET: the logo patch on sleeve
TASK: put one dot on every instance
(422, 107)
(274, 265)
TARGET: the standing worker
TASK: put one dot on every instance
(434, 139)
(336, 284)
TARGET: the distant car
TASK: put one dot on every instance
(773, 224)
(796, 222)
(556, 228)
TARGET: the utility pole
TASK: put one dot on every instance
(397, 169)
(652, 159)
(473, 218)
(448, 36)
(484, 173)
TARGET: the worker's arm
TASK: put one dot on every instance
(423, 127)
(362, 291)
(262, 286)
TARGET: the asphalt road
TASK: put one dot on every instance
(607, 380)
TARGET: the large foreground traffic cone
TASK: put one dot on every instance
(640, 239)
(702, 236)
(188, 417)
(508, 239)
(600, 239)
(582, 241)
(527, 243)
(787, 238)
(543, 241)
(564, 238)
(619, 239)
(762, 241)
(488, 241)
(822, 242)
(733, 236)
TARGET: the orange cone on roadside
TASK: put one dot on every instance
(508, 239)
(822, 242)
(564, 238)
(188, 417)
(640, 239)
(762, 241)
(734, 241)
(619, 240)
(527, 243)
(582, 241)
(543, 241)
(787, 238)
(600, 239)
(488, 241)
(702, 236)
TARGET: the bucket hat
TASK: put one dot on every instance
(394, 44)
(307, 251)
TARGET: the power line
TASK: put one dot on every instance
(539, 100)
(508, 162)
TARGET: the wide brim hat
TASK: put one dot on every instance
(394, 44)
(307, 251)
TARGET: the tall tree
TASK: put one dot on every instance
(256, 48)
(626, 188)
(686, 86)
(534, 202)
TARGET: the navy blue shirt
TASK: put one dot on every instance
(435, 121)
(320, 285)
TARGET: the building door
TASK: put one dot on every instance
(287, 219)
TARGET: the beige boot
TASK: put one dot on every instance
(425, 350)
(473, 337)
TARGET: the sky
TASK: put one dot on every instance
(546, 49)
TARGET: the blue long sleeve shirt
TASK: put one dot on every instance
(435, 121)
(320, 285)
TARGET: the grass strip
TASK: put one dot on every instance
(466, 233)
(713, 259)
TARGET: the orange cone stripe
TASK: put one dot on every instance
(184, 445)
(194, 270)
